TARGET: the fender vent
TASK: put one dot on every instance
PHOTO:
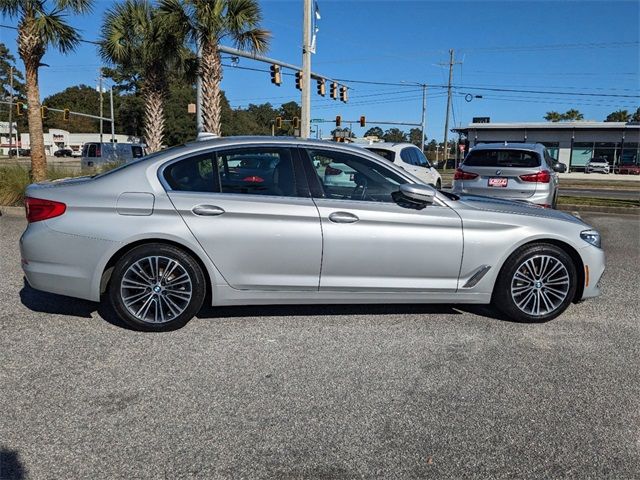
(476, 277)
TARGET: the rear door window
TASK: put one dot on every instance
(259, 171)
(193, 174)
(502, 158)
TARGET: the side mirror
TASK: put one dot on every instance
(414, 195)
(559, 167)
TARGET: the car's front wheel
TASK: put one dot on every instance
(536, 284)
(157, 287)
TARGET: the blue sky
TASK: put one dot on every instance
(571, 47)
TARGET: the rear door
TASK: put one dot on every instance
(260, 228)
(499, 172)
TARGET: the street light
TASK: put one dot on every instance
(424, 109)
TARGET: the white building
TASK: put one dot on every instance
(5, 142)
(572, 143)
(56, 138)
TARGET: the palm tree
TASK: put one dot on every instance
(134, 39)
(41, 24)
(206, 23)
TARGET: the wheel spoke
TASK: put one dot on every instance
(540, 285)
(131, 299)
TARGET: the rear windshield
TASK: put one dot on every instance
(502, 158)
(387, 154)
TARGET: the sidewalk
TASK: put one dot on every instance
(599, 177)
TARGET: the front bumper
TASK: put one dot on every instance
(594, 265)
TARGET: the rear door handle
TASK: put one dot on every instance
(343, 217)
(207, 210)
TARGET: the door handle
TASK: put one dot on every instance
(207, 210)
(343, 217)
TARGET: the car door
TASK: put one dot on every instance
(251, 211)
(409, 156)
(370, 243)
(427, 173)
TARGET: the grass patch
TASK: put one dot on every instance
(14, 180)
(598, 202)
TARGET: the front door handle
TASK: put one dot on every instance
(207, 210)
(343, 217)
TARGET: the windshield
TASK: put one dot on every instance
(386, 154)
(502, 158)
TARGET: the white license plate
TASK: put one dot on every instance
(498, 182)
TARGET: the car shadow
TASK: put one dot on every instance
(11, 467)
(52, 303)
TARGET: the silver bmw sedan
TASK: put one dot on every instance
(252, 220)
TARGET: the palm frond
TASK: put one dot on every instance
(74, 6)
(54, 30)
(10, 8)
(255, 40)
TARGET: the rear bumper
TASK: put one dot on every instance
(61, 263)
(542, 197)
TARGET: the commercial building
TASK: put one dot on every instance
(56, 138)
(571, 143)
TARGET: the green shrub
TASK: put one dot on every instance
(14, 180)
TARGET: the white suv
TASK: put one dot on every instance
(409, 157)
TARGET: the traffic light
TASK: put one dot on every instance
(276, 76)
(296, 123)
(65, 114)
(363, 121)
(19, 108)
(278, 123)
(321, 87)
(343, 94)
(338, 120)
(299, 80)
(333, 91)
(44, 111)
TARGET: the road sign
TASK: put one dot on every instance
(317, 120)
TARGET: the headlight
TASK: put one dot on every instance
(592, 237)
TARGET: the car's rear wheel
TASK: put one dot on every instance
(438, 185)
(536, 284)
(157, 287)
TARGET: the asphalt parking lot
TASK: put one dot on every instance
(323, 392)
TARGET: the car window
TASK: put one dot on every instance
(193, 174)
(136, 151)
(387, 154)
(422, 160)
(91, 150)
(346, 176)
(259, 171)
(407, 156)
(502, 158)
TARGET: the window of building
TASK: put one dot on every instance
(581, 153)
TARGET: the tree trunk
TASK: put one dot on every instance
(31, 50)
(153, 112)
(211, 74)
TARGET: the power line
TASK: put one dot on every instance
(541, 92)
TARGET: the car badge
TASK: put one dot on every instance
(498, 172)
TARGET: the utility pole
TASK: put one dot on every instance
(11, 108)
(305, 117)
(446, 119)
(101, 102)
(113, 123)
(424, 115)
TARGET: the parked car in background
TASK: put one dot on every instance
(157, 237)
(513, 171)
(63, 152)
(96, 154)
(600, 165)
(628, 169)
(409, 157)
(21, 152)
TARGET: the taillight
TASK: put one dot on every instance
(98, 151)
(462, 175)
(541, 177)
(332, 171)
(39, 209)
(253, 179)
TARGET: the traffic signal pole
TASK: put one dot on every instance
(305, 117)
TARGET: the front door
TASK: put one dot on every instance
(373, 244)
(251, 214)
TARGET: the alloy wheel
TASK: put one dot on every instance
(540, 285)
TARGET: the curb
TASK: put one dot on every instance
(597, 209)
(12, 211)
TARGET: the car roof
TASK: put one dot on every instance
(536, 147)
(393, 146)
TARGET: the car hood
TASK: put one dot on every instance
(491, 204)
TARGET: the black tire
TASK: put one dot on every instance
(554, 204)
(191, 282)
(438, 185)
(503, 298)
